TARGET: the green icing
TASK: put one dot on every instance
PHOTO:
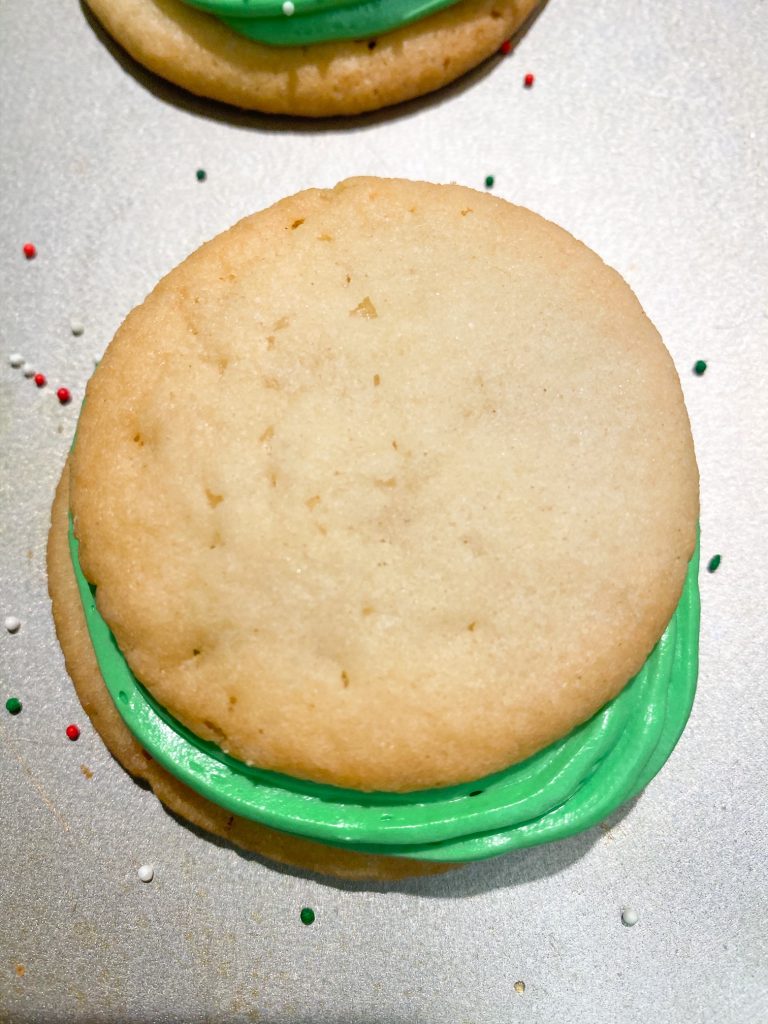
(317, 21)
(562, 790)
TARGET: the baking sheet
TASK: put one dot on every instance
(644, 135)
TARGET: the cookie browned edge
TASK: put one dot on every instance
(81, 664)
(201, 54)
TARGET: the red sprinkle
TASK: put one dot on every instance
(505, 47)
(528, 80)
(39, 379)
(29, 251)
(63, 395)
(72, 732)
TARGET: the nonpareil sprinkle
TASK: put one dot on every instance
(629, 917)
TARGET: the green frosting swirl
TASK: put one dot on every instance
(562, 790)
(317, 21)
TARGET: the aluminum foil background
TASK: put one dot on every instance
(645, 136)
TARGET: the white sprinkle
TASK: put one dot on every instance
(77, 328)
(146, 873)
(288, 8)
(12, 624)
(629, 916)
(16, 360)
(28, 370)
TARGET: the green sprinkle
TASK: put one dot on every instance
(489, 180)
(307, 915)
(699, 367)
(13, 705)
(201, 175)
(713, 563)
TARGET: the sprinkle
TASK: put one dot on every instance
(201, 174)
(73, 732)
(146, 873)
(714, 563)
(12, 624)
(307, 915)
(40, 380)
(64, 395)
(528, 80)
(13, 705)
(699, 367)
(28, 370)
(77, 327)
(16, 360)
(629, 916)
(489, 180)
(505, 47)
(288, 8)
(29, 250)
(519, 987)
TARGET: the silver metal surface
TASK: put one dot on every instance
(645, 135)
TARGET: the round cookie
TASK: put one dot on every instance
(177, 797)
(387, 487)
(193, 49)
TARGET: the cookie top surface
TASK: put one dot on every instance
(389, 486)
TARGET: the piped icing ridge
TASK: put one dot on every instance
(560, 791)
(303, 22)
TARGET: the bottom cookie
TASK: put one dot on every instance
(175, 795)
(196, 51)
